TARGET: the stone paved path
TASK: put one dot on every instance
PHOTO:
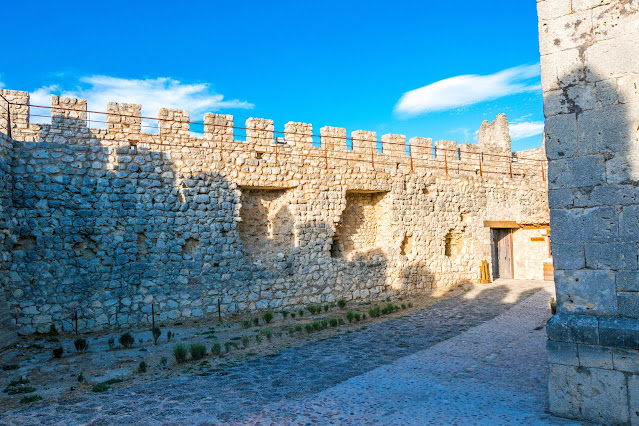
(464, 360)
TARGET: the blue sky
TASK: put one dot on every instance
(431, 69)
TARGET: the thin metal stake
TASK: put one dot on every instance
(153, 314)
(219, 311)
(76, 322)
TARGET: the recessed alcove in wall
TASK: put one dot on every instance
(453, 244)
(358, 233)
(267, 225)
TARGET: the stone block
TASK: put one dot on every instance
(588, 393)
(633, 395)
(580, 5)
(549, 9)
(595, 356)
(606, 92)
(568, 256)
(586, 292)
(561, 69)
(611, 59)
(611, 255)
(625, 360)
(570, 328)
(561, 136)
(628, 304)
(629, 223)
(603, 130)
(558, 198)
(562, 353)
(565, 32)
(575, 172)
(627, 281)
(619, 332)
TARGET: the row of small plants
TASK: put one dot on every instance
(126, 341)
(19, 387)
(268, 316)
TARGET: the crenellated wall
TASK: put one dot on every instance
(109, 221)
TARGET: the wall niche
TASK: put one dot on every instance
(267, 225)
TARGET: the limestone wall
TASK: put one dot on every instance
(8, 334)
(531, 247)
(112, 220)
(590, 71)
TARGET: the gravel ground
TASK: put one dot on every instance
(477, 358)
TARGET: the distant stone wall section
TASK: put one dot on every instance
(8, 334)
(109, 221)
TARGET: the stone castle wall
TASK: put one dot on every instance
(590, 72)
(109, 221)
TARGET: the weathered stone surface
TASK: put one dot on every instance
(110, 221)
(595, 356)
(588, 393)
(573, 328)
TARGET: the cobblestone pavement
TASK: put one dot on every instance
(464, 360)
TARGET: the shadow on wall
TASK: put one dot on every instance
(89, 241)
(591, 142)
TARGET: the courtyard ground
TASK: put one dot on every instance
(478, 357)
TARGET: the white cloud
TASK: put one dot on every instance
(526, 129)
(463, 90)
(152, 94)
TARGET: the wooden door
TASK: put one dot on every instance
(502, 253)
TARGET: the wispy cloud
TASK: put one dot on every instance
(464, 90)
(526, 129)
(152, 94)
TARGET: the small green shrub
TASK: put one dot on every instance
(403, 306)
(374, 312)
(363, 316)
(325, 308)
(126, 340)
(164, 361)
(246, 323)
(284, 313)
(340, 321)
(169, 336)
(57, 352)
(357, 316)
(267, 317)
(19, 390)
(298, 328)
(350, 316)
(81, 345)
(292, 314)
(216, 349)
(53, 331)
(111, 342)
(20, 381)
(31, 398)
(81, 377)
(317, 325)
(245, 341)
(309, 328)
(156, 334)
(268, 333)
(312, 309)
(256, 321)
(410, 304)
(333, 322)
(198, 351)
(301, 312)
(179, 353)
(341, 303)
(258, 339)
(324, 323)
(142, 367)
(228, 346)
(105, 386)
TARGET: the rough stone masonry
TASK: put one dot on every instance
(590, 72)
(106, 222)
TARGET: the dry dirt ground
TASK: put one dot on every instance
(30, 371)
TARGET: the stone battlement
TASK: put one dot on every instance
(124, 126)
